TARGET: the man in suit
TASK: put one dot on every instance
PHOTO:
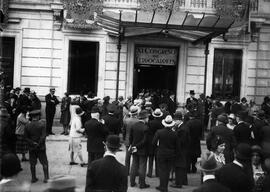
(172, 106)
(154, 125)
(107, 174)
(208, 165)
(242, 132)
(194, 128)
(138, 147)
(128, 123)
(167, 146)
(51, 102)
(112, 123)
(35, 135)
(192, 102)
(96, 132)
(226, 134)
(237, 176)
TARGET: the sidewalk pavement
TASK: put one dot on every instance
(58, 157)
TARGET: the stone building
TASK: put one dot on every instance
(45, 45)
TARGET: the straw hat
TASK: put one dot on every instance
(168, 121)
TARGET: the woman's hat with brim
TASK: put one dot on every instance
(168, 121)
(113, 141)
(157, 113)
(62, 183)
(79, 111)
(208, 162)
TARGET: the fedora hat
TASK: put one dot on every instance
(10, 165)
(243, 152)
(208, 162)
(143, 114)
(168, 121)
(157, 113)
(133, 110)
(113, 141)
(222, 118)
(79, 111)
(62, 183)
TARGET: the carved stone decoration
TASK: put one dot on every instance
(235, 8)
(4, 9)
(80, 13)
(160, 5)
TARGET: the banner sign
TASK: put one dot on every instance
(155, 56)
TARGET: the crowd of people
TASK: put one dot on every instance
(160, 139)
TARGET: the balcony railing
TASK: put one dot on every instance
(188, 5)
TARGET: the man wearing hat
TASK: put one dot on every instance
(194, 127)
(138, 147)
(96, 132)
(128, 123)
(226, 134)
(107, 174)
(167, 146)
(35, 134)
(51, 102)
(237, 176)
(154, 125)
(192, 102)
(113, 124)
(259, 123)
(10, 168)
(242, 132)
(208, 165)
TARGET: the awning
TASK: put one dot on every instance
(191, 26)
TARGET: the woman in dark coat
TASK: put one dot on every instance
(65, 113)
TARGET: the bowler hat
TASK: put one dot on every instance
(10, 165)
(79, 111)
(143, 114)
(62, 183)
(133, 110)
(191, 92)
(35, 112)
(157, 113)
(222, 118)
(243, 151)
(168, 121)
(113, 141)
(26, 90)
(95, 109)
(208, 162)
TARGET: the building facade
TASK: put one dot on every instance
(43, 47)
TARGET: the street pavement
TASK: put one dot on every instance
(58, 157)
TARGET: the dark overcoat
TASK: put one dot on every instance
(242, 133)
(106, 174)
(138, 137)
(113, 124)
(96, 134)
(154, 125)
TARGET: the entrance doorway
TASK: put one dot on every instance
(83, 67)
(155, 69)
(7, 47)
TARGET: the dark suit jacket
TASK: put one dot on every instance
(138, 137)
(211, 185)
(171, 106)
(166, 141)
(154, 125)
(183, 143)
(194, 129)
(242, 133)
(96, 134)
(235, 178)
(50, 106)
(113, 124)
(22, 102)
(106, 174)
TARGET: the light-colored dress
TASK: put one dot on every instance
(75, 134)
